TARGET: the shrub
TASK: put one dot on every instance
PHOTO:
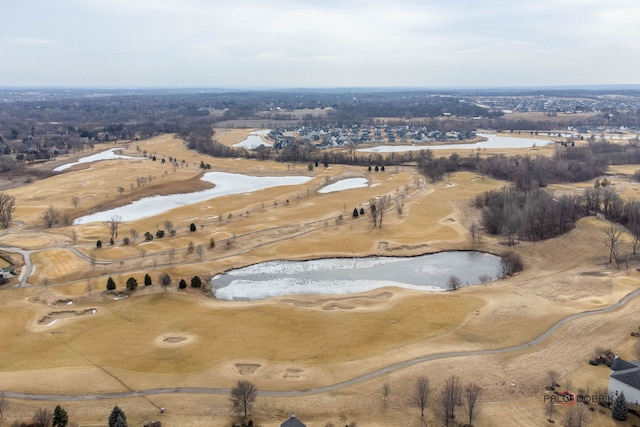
(511, 264)
(132, 283)
(192, 227)
(182, 284)
(148, 236)
(126, 241)
(99, 244)
(160, 234)
(147, 280)
(212, 243)
(196, 282)
(111, 285)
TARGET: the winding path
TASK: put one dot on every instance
(316, 390)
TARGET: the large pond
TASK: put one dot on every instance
(351, 275)
(225, 184)
(491, 141)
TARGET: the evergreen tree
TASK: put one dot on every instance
(619, 410)
(355, 213)
(117, 418)
(183, 284)
(192, 227)
(196, 282)
(132, 283)
(111, 285)
(147, 280)
(60, 417)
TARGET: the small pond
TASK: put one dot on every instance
(429, 272)
(109, 154)
(345, 184)
(254, 140)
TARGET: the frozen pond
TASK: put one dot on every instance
(226, 183)
(351, 275)
(493, 141)
(254, 140)
(345, 184)
(103, 155)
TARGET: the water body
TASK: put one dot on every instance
(492, 141)
(226, 183)
(254, 140)
(345, 184)
(352, 275)
(103, 155)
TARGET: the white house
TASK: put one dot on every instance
(625, 377)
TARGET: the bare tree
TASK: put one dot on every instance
(114, 224)
(373, 211)
(450, 397)
(168, 225)
(75, 200)
(92, 260)
(471, 395)
(7, 207)
(50, 216)
(382, 206)
(243, 396)
(74, 236)
(454, 283)
(386, 391)
(134, 234)
(171, 254)
(42, 418)
(120, 190)
(474, 228)
(165, 281)
(421, 394)
(4, 403)
(577, 416)
(200, 251)
(552, 378)
(612, 241)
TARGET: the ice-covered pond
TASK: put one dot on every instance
(225, 184)
(492, 141)
(344, 184)
(351, 275)
(109, 154)
(254, 140)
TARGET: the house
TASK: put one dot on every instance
(625, 377)
(293, 422)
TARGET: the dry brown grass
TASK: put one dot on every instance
(295, 342)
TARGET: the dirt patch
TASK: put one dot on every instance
(175, 339)
(247, 368)
(340, 303)
(54, 316)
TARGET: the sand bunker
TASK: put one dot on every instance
(54, 316)
(345, 303)
(247, 368)
(174, 339)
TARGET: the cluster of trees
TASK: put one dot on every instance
(43, 417)
(164, 280)
(528, 215)
(449, 398)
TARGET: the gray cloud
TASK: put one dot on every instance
(319, 43)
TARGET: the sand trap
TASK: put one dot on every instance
(54, 316)
(174, 339)
(247, 368)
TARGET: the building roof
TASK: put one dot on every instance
(621, 365)
(628, 376)
(293, 422)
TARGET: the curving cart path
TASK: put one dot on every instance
(293, 393)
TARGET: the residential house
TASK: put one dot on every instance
(625, 377)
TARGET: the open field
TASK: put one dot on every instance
(169, 339)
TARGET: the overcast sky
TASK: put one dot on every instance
(318, 43)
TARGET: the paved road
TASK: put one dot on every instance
(383, 371)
